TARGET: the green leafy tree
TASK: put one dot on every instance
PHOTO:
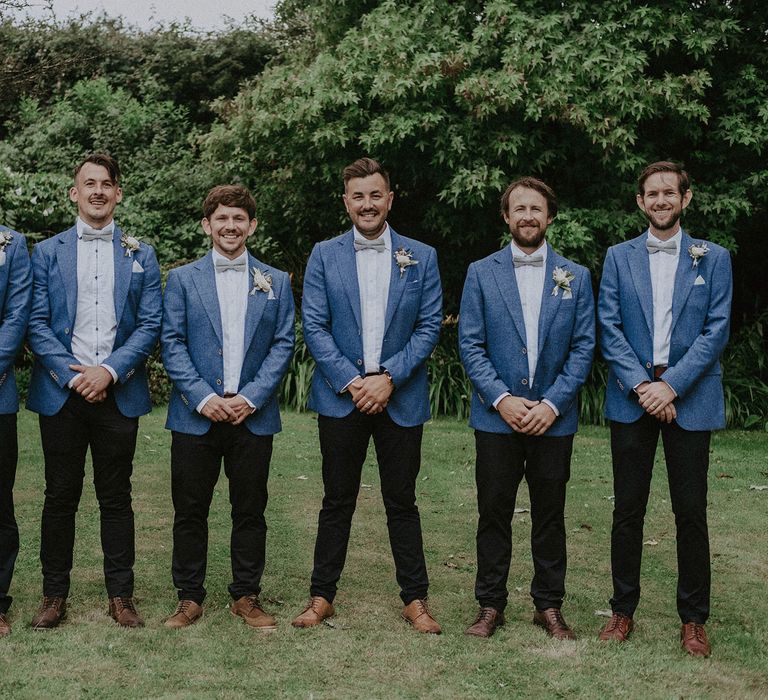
(458, 98)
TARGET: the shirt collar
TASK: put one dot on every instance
(542, 249)
(386, 236)
(219, 256)
(79, 223)
(676, 238)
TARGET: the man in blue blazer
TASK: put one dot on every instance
(526, 336)
(664, 313)
(372, 314)
(227, 340)
(96, 313)
(15, 297)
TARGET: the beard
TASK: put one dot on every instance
(530, 240)
(664, 225)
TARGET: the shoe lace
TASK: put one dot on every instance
(557, 618)
(315, 603)
(183, 606)
(125, 604)
(421, 607)
(51, 602)
(696, 631)
(253, 602)
(614, 622)
(485, 615)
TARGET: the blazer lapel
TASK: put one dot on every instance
(205, 283)
(397, 281)
(123, 271)
(347, 268)
(66, 258)
(256, 304)
(504, 272)
(684, 278)
(549, 303)
(640, 269)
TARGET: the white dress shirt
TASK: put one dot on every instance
(663, 272)
(530, 285)
(374, 269)
(95, 327)
(232, 291)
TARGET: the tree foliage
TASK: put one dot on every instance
(458, 98)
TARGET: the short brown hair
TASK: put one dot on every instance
(531, 183)
(664, 166)
(229, 196)
(103, 159)
(365, 167)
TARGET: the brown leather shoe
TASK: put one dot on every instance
(693, 638)
(51, 612)
(486, 622)
(187, 613)
(5, 626)
(554, 623)
(617, 629)
(317, 610)
(123, 612)
(249, 608)
(417, 614)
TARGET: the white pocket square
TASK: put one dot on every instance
(699, 280)
(136, 267)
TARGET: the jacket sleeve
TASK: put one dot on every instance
(18, 299)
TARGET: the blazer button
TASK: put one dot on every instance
(359, 362)
(66, 331)
(221, 352)
(524, 351)
(648, 365)
(218, 381)
(524, 382)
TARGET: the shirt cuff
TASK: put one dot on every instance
(346, 386)
(552, 406)
(200, 406)
(670, 386)
(248, 401)
(498, 401)
(112, 372)
(72, 381)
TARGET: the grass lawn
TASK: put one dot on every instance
(368, 651)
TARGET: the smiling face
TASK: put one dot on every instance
(96, 195)
(527, 217)
(368, 201)
(229, 228)
(662, 203)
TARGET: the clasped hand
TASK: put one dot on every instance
(234, 409)
(656, 399)
(526, 416)
(371, 394)
(92, 382)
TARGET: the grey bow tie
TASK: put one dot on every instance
(376, 244)
(668, 247)
(223, 265)
(91, 234)
(532, 260)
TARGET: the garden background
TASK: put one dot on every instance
(455, 98)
